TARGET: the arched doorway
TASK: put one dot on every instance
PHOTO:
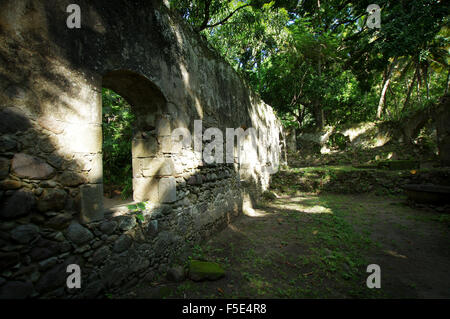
(118, 130)
(146, 105)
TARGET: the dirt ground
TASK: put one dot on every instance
(319, 246)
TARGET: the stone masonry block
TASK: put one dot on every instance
(157, 167)
(167, 190)
(145, 189)
(144, 147)
(91, 203)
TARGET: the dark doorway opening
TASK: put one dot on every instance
(118, 129)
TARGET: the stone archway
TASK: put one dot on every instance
(148, 104)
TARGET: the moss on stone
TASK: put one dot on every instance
(204, 270)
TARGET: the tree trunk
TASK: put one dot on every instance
(387, 81)
(318, 110)
(448, 78)
(382, 98)
(318, 115)
(410, 88)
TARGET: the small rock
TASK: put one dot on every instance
(37, 219)
(176, 274)
(112, 238)
(47, 263)
(52, 199)
(79, 234)
(122, 243)
(61, 221)
(82, 249)
(100, 254)
(97, 244)
(59, 237)
(152, 228)
(48, 184)
(71, 179)
(38, 191)
(25, 233)
(19, 204)
(126, 222)
(108, 227)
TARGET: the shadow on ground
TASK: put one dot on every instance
(319, 246)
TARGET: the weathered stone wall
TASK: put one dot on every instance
(442, 118)
(51, 172)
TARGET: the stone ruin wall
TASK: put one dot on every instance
(51, 172)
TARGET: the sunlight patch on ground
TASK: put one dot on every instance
(317, 209)
(251, 212)
(307, 204)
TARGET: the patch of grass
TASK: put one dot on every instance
(296, 252)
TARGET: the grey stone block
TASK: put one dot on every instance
(19, 204)
(27, 166)
(144, 147)
(79, 234)
(167, 190)
(92, 203)
(25, 233)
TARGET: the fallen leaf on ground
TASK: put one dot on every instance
(395, 254)
(289, 264)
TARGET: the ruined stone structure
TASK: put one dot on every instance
(442, 118)
(51, 209)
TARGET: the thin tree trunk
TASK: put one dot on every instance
(448, 78)
(418, 91)
(387, 81)
(419, 84)
(408, 94)
(319, 107)
(382, 98)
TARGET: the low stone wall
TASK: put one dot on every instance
(442, 118)
(39, 241)
(354, 181)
